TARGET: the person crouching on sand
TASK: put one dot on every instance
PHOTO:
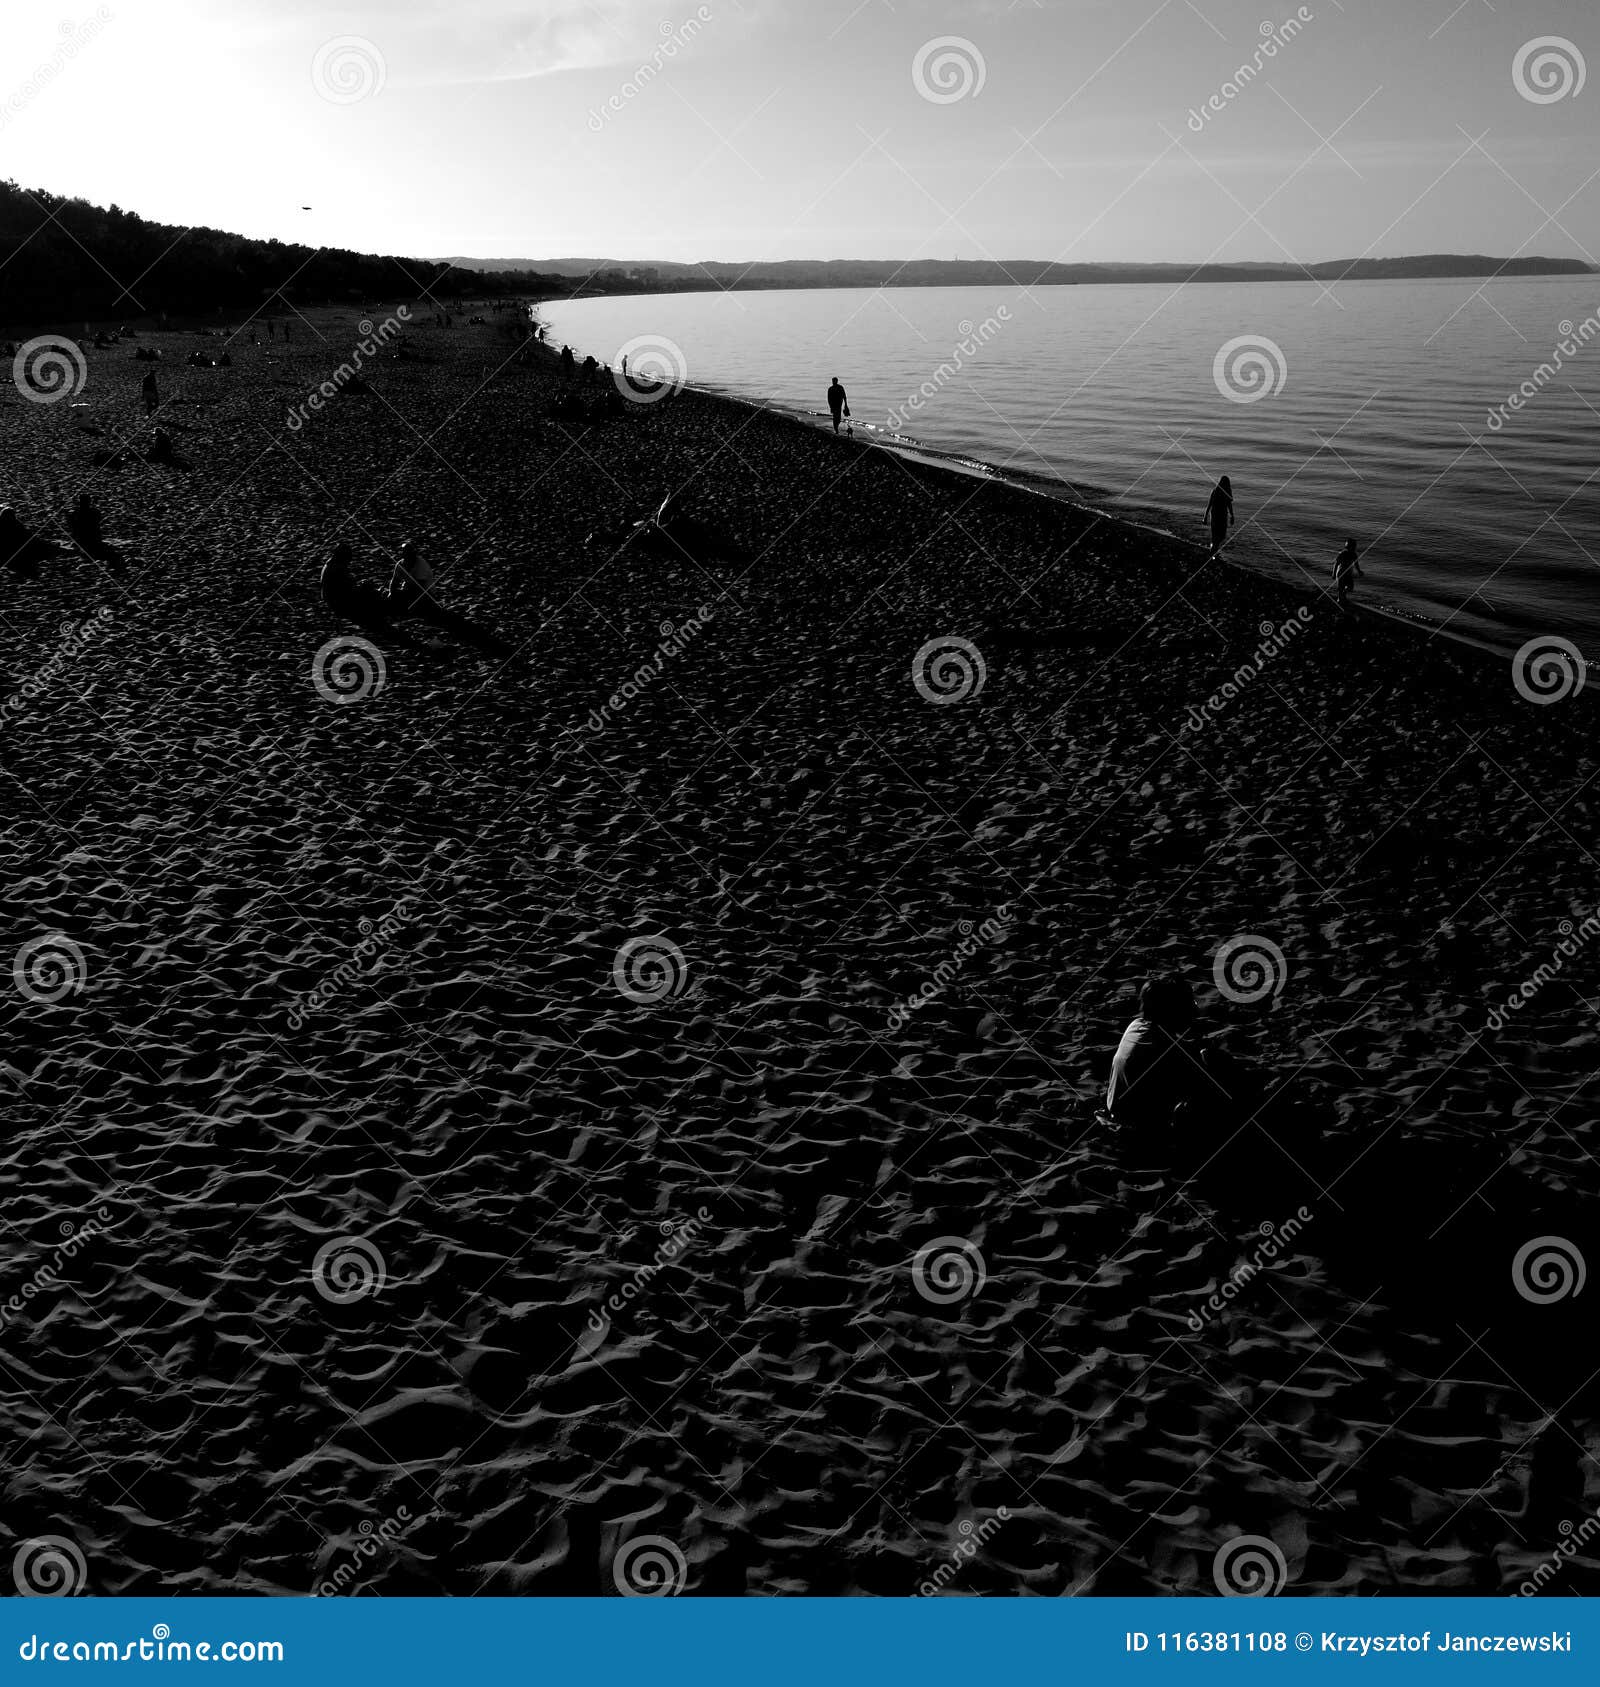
(837, 403)
(1219, 515)
(1163, 1073)
(1154, 1069)
(1346, 570)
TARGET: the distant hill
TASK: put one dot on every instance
(615, 274)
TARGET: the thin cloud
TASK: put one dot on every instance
(508, 41)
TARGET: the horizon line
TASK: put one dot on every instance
(1578, 263)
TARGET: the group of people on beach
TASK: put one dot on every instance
(22, 549)
(1347, 567)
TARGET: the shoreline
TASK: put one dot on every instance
(907, 448)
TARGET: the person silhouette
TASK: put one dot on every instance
(84, 523)
(411, 594)
(1346, 569)
(1165, 1073)
(837, 403)
(1154, 1070)
(21, 549)
(409, 584)
(1219, 515)
(348, 596)
(568, 363)
(152, 395)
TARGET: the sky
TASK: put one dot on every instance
(735, 130)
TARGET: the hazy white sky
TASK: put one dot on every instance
(797, 128)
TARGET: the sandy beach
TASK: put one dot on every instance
(646, 1089)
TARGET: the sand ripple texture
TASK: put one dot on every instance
(386, 1163)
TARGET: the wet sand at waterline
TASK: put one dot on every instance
(386, 1165)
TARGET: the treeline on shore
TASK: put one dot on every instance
(65, 258)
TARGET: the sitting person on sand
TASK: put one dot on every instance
(673, 532)
(84, 524)
(411, 583)
(345, 595)
(411, 593)
(21, 549)
(1164, 1073)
